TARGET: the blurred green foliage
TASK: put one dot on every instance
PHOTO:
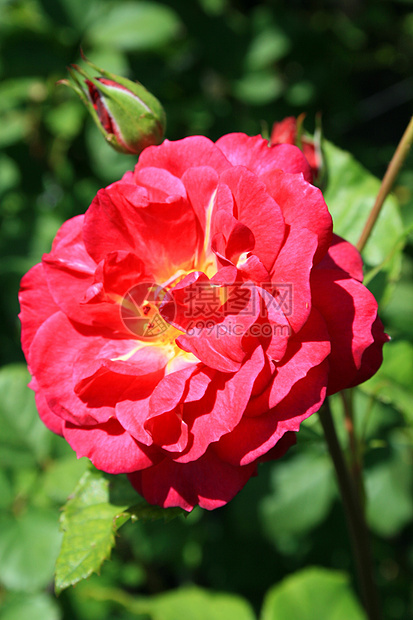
(217, 66)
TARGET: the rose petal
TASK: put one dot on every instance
(254, 437)
(207, 482)
(109, 447)
(373, 356)
(69, 271)
(160, 183)
(258, 211)
(168, 431)
(200, 183)
(36, 305)
(220, 344)
(170, 391)
(163, 235)
(255, 154)
(272, 327)
(350, 311)
(176, 157)
(53, 355)
(52, 421)
(343, 255)
(302, 206)
(222, 407)
(291, 273)
(307, 349)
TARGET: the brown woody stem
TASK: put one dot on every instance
(389, 178)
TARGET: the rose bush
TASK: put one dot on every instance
(262, 313)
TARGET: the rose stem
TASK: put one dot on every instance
(389, 178)
(356, 461)
(359, 535)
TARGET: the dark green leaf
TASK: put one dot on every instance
(303, 490)
(268, 47)
(17, 91)
(190, 603)
(23, 437)
(59, 480)
(29, 546)
(259, 88)
(9, 174)
(389, 488)
(197, 604)
(6, 495)
(15, 126)
(65, 121)
(398, 311)
(34, 606)
(312, 593)
(393, 382)
(135, 26)
(350, 195)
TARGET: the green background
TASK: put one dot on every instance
(217, 66)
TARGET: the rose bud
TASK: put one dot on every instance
(129, 117)
(289, 131)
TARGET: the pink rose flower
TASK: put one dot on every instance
(183, 328)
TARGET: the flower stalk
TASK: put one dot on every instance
(356, 465)
(389, 178)
(358, 531)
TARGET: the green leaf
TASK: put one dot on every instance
(17, 91)
(15, 126)
(88, 524)
(259, 88)
(213, 7)
(135, 26)
(97, 508)
(59, 480)
(393, 382)
(350, 195)
(312, 593)
(189, 603)
(29, 545)
(398, 311)
(34, 606)
(303, 491)
(6, 495)
(9, 174)
(197, 604)
(23, 439)
(268, 47)
(65, 120)
(78, 13)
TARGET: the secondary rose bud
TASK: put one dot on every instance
(289, 131)
(129, 117)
